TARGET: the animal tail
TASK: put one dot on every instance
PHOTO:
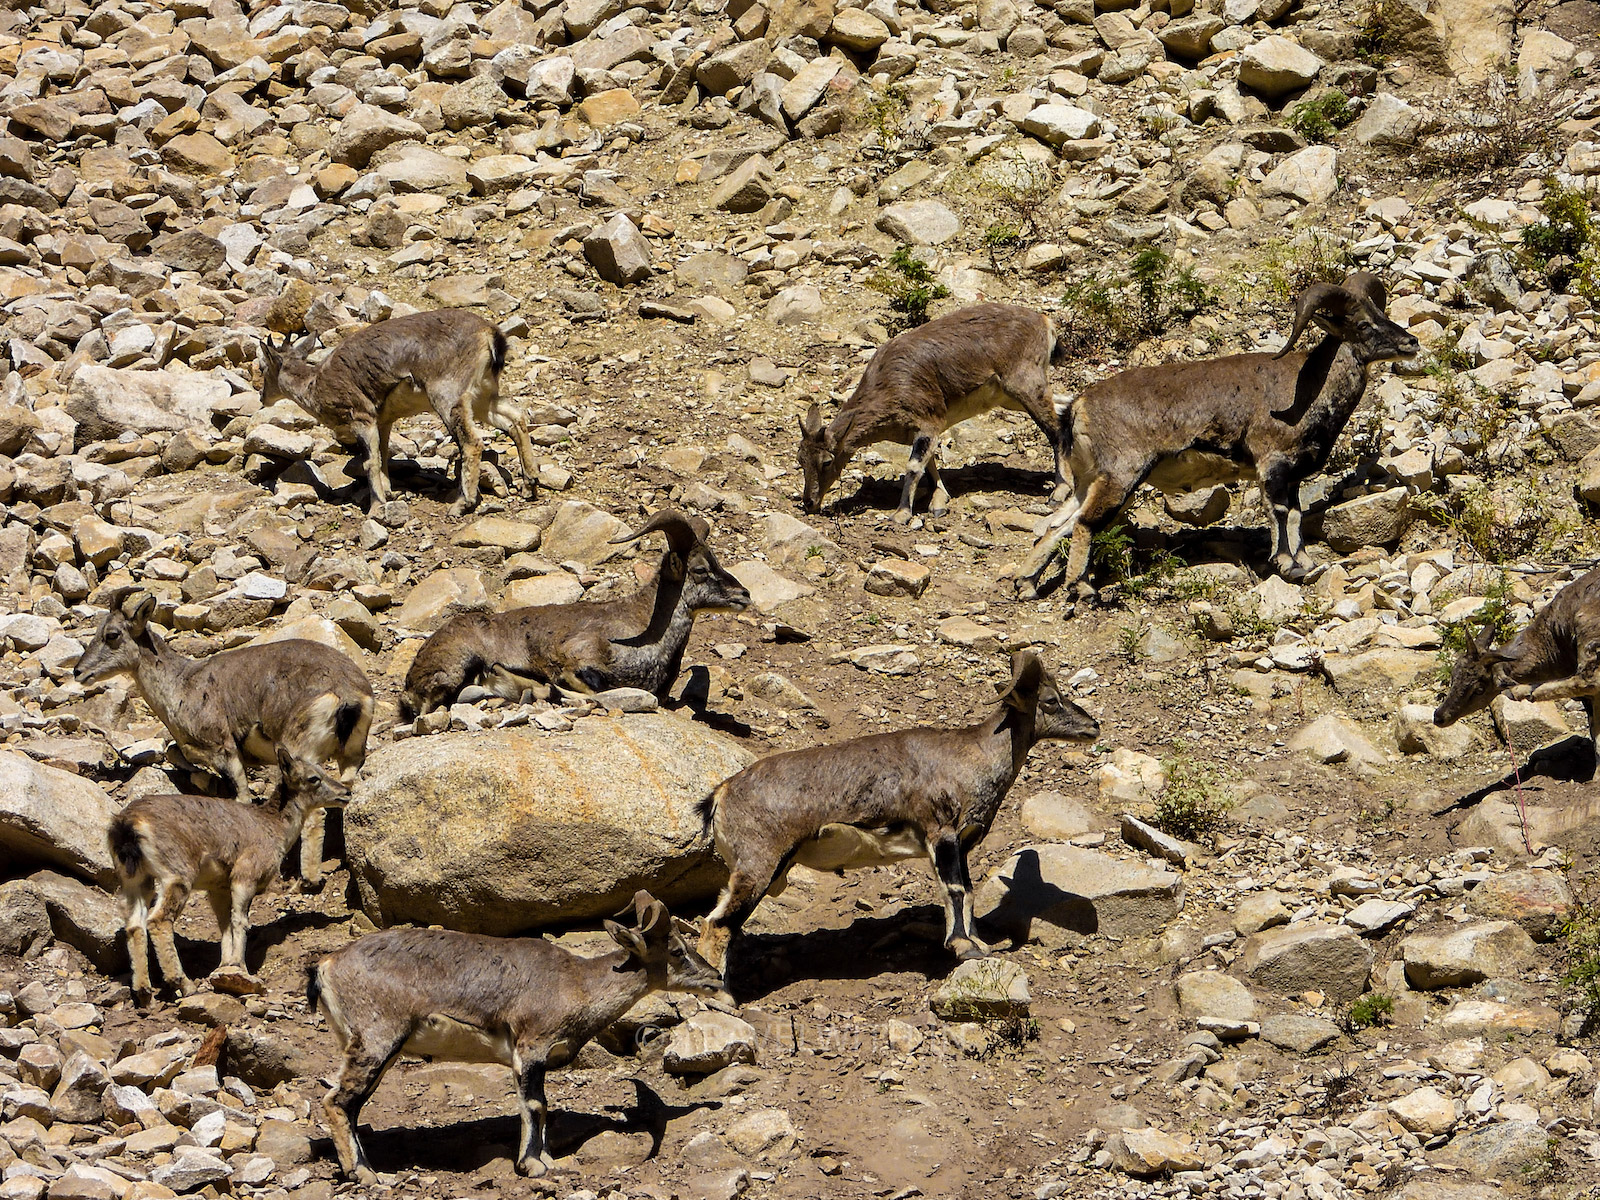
(346, 718)
(1058, 348)
(707, 808)
(497, 352)
(125, 849)
(313, 986)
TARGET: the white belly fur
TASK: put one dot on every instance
(1196, 469)
(977, 402)
(444, 1037)
(848, 847)
(406, 401)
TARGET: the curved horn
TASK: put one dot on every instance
(1306, 303)
(1368, 286)
(682, 533)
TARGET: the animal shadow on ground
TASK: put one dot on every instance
(883, 495)
(469, 1146)
(911, 939)
(696, 697)
(1241, 545)
(1571, 760)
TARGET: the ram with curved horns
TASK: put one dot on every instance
(1183, 426)
(637, 641)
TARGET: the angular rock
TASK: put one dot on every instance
(1332, 959)
(1213, 994)
(1538, 901)
(1057, 123)
(580, 532)
(1275, 66)
(85, 917)
(1505, 1149)
(747, 188)
(107, 403)
(1149, 1151)
(981, 990)
(1298, 1034)
(1311, 176)
(1376, 519)
(1053, 817)
(497, 832)
(618, 251)
(1466, 954)
(919, 222)
(1079, 890)
(367, 129)
(707, 1042)
(440, 596)
(1334, 739)
(1415, 733)
(53, 817)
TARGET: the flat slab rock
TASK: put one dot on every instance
(1300, 1034)
(981, 989)
(1465, 954)
(1083, 891)
(1315, 956)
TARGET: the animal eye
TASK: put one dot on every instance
(113, 637)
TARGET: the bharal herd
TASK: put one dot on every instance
(914, 793)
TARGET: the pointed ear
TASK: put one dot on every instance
(811, 423)
(138, 609)
(1481, 640)
(628, 939)
(286, 762)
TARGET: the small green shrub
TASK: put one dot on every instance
(1319, 119)
(1379, 35)
(1111, 551)
(1565, 247)
(1375, 1008)
(1111, 312)
(910, 286)
(1192, 803)
(1580, 945)
(1491, 126)
(1494, 614)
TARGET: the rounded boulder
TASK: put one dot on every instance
(501, 831)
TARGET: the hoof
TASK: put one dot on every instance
(967, 949)
(143, 998)
(1026, 590)
(533, 1168)
(185, 988)
(1060, 494)
(1521, 692)
(366, 1176)
(310, 887)
(902, 516)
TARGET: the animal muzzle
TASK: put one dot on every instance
(1441, 718)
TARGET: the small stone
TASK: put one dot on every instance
(898, 577)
